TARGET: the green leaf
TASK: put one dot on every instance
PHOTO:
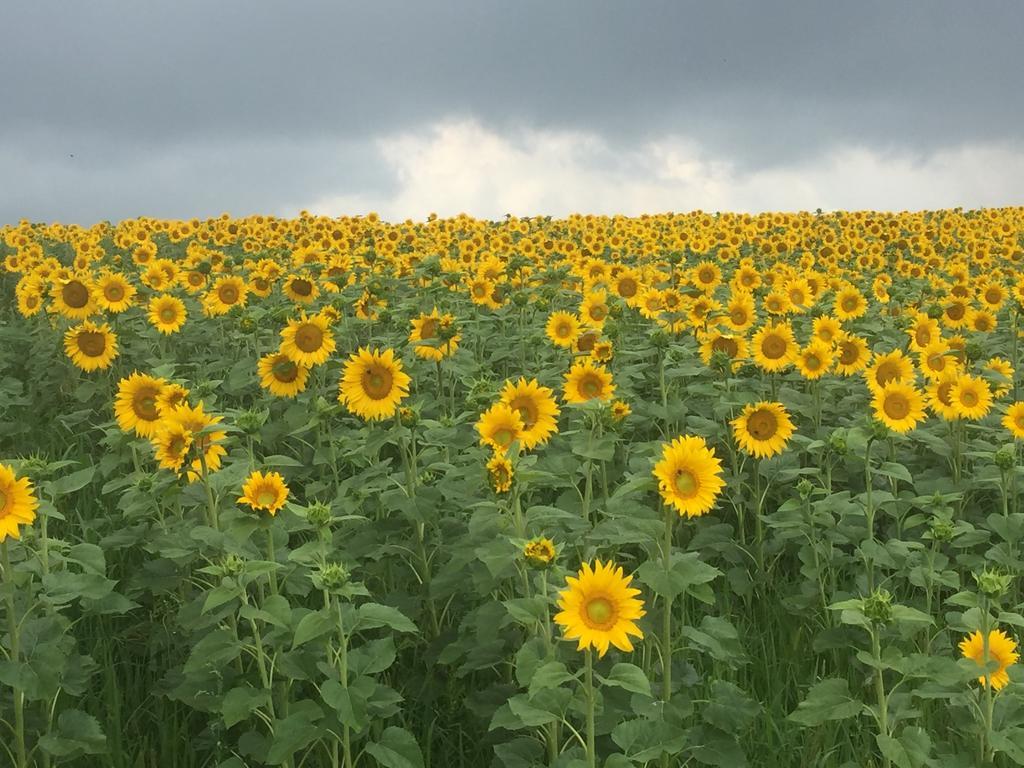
(312, 626)
(894, 470)
(349, 703)
(645, 740)
(293, 733)
(78, 733)
(73, 482)
(827, 700)
(730, 708)
(628, 677)
(552, 674)
(372, 615)
(686, 572)
(910, 750)
(239, 703)
(397, 748)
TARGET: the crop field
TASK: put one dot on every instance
(673, 490)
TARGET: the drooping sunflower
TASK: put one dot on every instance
(499, 471)
(373, 383)
(500, 426)
(281, 375)
(763, 429)
(266, 491)
(1014, 420)
(171, 443)
(689, 475)
(301, 289)
(74, 297)
(436, 330)
(562, 328)
(114, 292)
(600, 609)
(1002, 650)
(536, 407)
(137, 407)
(774, 347)
(898, 405)
(18, 503)
(167, 313)
(971, 397)
(586, 381)
(91, 347)
(308, 340)
(207, 442)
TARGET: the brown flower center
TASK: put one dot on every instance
(302, 287)
(969, 398)
(168, 314)
(228, 294)
(762, 424)
(114, 292)
(309, 338)
(627, 287)
(896, 406)
(144, 405)
(774, 346)
(285, 371)
(848, 353)
(590, 386)
(92, 343)
(377, 382)
(75, 294)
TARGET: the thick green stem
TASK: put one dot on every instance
(869, 514)
(880, 695)
(589, 683)
(13, 628)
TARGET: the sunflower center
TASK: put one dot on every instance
(738, 316)
(599, 611)
(762, 425)
(285, 371)
(75, 294)
(993, 296)
(377, 383)
(773, 347)
(196, 279)
(590, 386)
(266, 497)
(563, 330)
(302, 287)
(956, 311)
(685, 482)
(598, 312)
(812, 362)
(177, 445)
(114, 292)
(969, 398)
(896, 406)
(92, 343)
(923, 336)
(3, 501)
(31, 301)
(144, 406)
(943, 392)
(429, 328)
(228, 294)
(167, 314)
(627, 288)
(849, 303)
(937, 362)
(504, 437)
(725, 344)
(479, 290)
(309, 338)
(706, 276)
(527, 410)
(887, 371)
(848, 354)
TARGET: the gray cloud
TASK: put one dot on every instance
(245, 105)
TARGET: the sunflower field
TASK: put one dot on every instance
(674, 490)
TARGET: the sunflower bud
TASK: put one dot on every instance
(878, 606)
(232, 565)
(247, 324)
(942, 529)
(804, 488)
(332, 577)
(319, 515)
(540, 553)
(660, 339)
(993, 584)
(408, 416)
(879, 431)
(250, 422)
(1005, 458)
(837, 442)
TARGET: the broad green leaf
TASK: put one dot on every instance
(396, 748)
(827, 700)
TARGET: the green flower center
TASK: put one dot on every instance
(599, 611)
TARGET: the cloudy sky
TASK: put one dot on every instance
(110, 110)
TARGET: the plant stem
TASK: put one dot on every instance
(589, 683)
(883, 701)
(15, 644)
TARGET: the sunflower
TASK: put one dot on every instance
(774, 347)
(815, 360)
(892, 367)
(586, 381)
(308, 340)
(562, 328)
(206, 441)
(732, 346)
(74, 297)
(1001, 649)
(536, 407)
(599, 608)
(740, 312)
(264, 491)
(763, 429)
(898, 405)
(30, 300)
(852, 354)
(114, 293)
(1001, 372)
(281, 375)
(971, 397)
(500, 426)
(18, 503)
(91, 347)
(923, 332)
(937, 359)
(226, 293)
(620, 410)
(627, 285)
(981, 321)
(171, 443)
(827, 329)
(435, 329)
(373, 383)
(1014, 420)
(594, 309)
(167, 313)
(136, 406)
(850, 304)
(171, 396)
(300, 289)
(689, 476)
(940, 399)
(499, 471)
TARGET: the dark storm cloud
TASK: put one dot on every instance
(244, 104)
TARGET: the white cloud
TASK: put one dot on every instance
(459, 165)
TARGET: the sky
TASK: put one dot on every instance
(111, 110)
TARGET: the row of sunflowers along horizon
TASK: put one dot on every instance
(675, 489)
